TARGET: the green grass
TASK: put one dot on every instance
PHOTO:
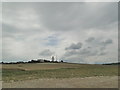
(81, 71)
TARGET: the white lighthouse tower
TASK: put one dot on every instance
(53, 58)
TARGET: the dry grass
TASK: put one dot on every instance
(40, 66)
(18, 72)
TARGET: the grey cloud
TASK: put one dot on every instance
(80, 18)
(79, 56)
(71, 16)
(74, 46)
(9, 29)
(108, 41)
(85, 51)
(46, 52)
(105, 43)
(95, 47)
(98, 42)
(75, 59)
(90, 39)
(74, 49)
(102, 53)
(70, 53)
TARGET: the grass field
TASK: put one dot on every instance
(17, 72)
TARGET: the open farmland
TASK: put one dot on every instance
(18, 72)
(40, 66)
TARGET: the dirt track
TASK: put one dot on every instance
(88, 82)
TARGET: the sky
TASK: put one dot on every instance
(77, 32)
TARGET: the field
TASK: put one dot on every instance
(59, 75)
(19, 72)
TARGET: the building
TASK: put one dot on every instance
(53, 58)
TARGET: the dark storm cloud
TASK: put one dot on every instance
(74, 46)
(46, 52)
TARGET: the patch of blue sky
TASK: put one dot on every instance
(52, 41)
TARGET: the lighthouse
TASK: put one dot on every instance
(53, 58)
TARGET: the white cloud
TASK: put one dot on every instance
(31, 28)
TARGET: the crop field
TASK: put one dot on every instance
(20, 72)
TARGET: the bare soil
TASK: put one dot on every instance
(87, 82)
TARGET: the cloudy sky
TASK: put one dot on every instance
(83, 32)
